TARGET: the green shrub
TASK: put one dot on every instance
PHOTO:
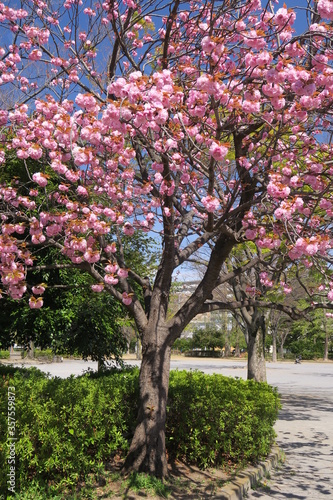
(307, 349)
(4, 354)
(69, 428)
(43, 353)
(214, 419)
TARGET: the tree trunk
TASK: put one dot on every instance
(147, 452)
(325, 358)
(256, 364)
(237, 350)
(31, 350)
(227, 349)
(138, 349)
(100, 365)
(281, 349)
(274, 353)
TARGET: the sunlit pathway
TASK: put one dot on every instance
(305, 434)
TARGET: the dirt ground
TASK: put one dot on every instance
(184, 483)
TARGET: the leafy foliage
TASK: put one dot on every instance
(214, 419)
(68, 428)
(209, 337)
(306, 338)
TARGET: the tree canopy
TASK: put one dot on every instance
(206, 122)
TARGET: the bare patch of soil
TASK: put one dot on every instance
(185, 482)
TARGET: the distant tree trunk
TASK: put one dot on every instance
(326, 337)
(147, 451)
(274, 353)
(256, 365)
(100, 365)
(237, 335)
(227, 349)
(326, 348)
(138, 348)
(282, 346)
(31, 350)
(237, 349)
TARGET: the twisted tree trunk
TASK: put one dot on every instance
(147, 451)
(256, 366)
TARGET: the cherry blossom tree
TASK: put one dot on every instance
(206, 122)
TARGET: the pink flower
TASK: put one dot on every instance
(35, 303)
(207, 45)
(325, 8)
(325, 204)
(38, 290)
(35, 55)
(98, 287)
(81, 191)
(110, 279)
(122, 273)
(128, 229)
(91, 256)
(210, 203)
(286, 288)
(111, 248)
(218, 151)
(111, 268)
(251, 234)
(40, 179)
(255, 40)
(251, 106)
(311, 248)
(283, 17)
(127, 300)
(3, 117)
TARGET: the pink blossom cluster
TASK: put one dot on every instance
(325, 8)
(223, 130)
(309, 247)
(264, 280)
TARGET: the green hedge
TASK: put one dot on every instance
(68, 428)
(4, 354)
(213, 420)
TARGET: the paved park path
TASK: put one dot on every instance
(304, 429)
(305, 434)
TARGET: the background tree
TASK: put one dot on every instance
(308, 338)
(209, 126)
(279, 327)
(209, 337)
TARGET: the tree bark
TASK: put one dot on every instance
(147, 452)
(138, 349)
(31, 350)
(256, 365)
(274, 353)
(325, 358)
(227, 349)
(281, 349)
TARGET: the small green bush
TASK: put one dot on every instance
(67, 429)
(214, 419)
(48, 353)
(307, 349)
(4, 354)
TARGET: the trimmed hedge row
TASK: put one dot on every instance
(69, 428)
(213, 420)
